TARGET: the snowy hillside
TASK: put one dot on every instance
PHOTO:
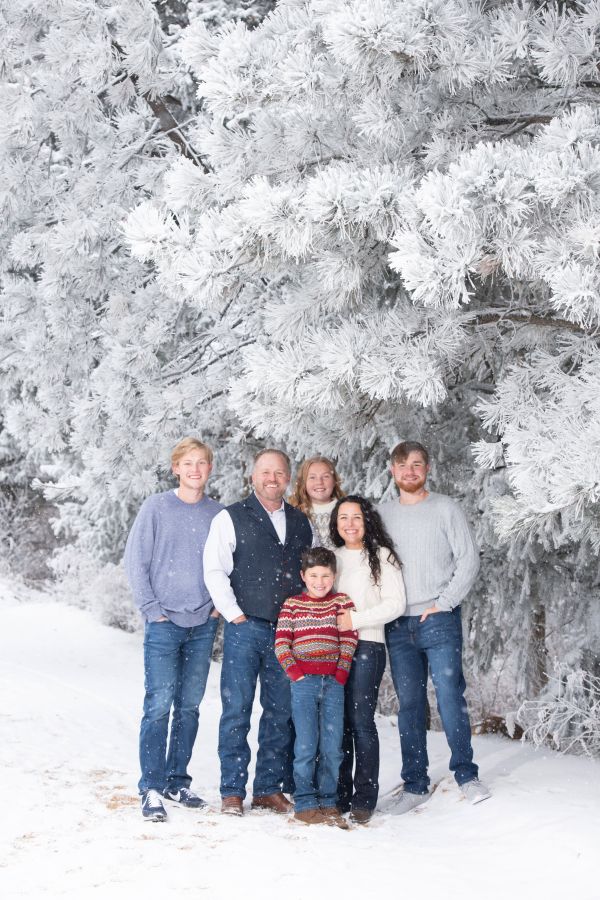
(71, 697)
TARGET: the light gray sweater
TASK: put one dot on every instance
(439, 557)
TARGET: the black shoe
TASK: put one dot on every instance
(152, 806)
(186, 798)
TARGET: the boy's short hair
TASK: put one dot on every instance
(403, 450)
(189, 443)
(318, 556)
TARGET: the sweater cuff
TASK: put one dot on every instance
(295, 672)
(444, 604)
(152, 612)
(358, 619)
(341, 675)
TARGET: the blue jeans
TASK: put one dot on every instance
(176, 664)
(248, 656)
(318, 713)
(361, 741)
(414, 646)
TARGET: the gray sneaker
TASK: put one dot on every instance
(407, 801)
(475, 791)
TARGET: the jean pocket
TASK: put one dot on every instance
(442, 617)
(440, 627)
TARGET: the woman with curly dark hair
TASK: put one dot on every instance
(369, 573)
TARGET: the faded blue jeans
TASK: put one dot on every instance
(248, 657)
(318, 713)
(176, 664)
(414, 647)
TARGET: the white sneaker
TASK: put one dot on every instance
(407, 801)
(475, 791)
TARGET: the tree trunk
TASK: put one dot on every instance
(538, 652)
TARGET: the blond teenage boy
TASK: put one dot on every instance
(163, 561)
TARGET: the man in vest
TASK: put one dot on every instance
(251, 565)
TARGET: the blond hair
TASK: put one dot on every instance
(299, 496)
(189, 443)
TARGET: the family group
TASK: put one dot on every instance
(311, 591)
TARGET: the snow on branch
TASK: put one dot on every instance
(567, 715)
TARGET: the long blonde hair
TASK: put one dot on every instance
(299, 496)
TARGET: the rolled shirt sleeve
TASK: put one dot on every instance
(218, 565)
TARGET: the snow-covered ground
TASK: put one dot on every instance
(71, 825)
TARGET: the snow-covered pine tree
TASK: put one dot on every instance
(91, 97)
(371, 223)
(271, 297)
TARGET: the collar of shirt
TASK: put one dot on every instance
(275, 511)
(277, 518)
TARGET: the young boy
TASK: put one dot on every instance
(317, 658)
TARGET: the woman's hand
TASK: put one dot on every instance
(344, 621)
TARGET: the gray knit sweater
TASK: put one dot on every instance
(440, 559)
(163, 558)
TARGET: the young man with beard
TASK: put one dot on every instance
(440, 562)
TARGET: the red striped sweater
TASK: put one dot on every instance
(307, 640)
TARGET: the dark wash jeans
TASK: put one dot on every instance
(361, 741)
(318, 713)
(176, 664)
(414, 646)
(248, 656)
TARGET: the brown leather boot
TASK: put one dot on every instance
(278, 803)
(361, 816)
(333, 816)
(311, 817)
(232, 806)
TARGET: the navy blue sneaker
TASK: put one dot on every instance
(185, 797)
(152, 806)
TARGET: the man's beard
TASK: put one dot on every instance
(412, 487)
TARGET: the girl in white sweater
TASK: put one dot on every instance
(369, 573)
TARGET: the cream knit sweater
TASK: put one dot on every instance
(375, 604)
(319, 520)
